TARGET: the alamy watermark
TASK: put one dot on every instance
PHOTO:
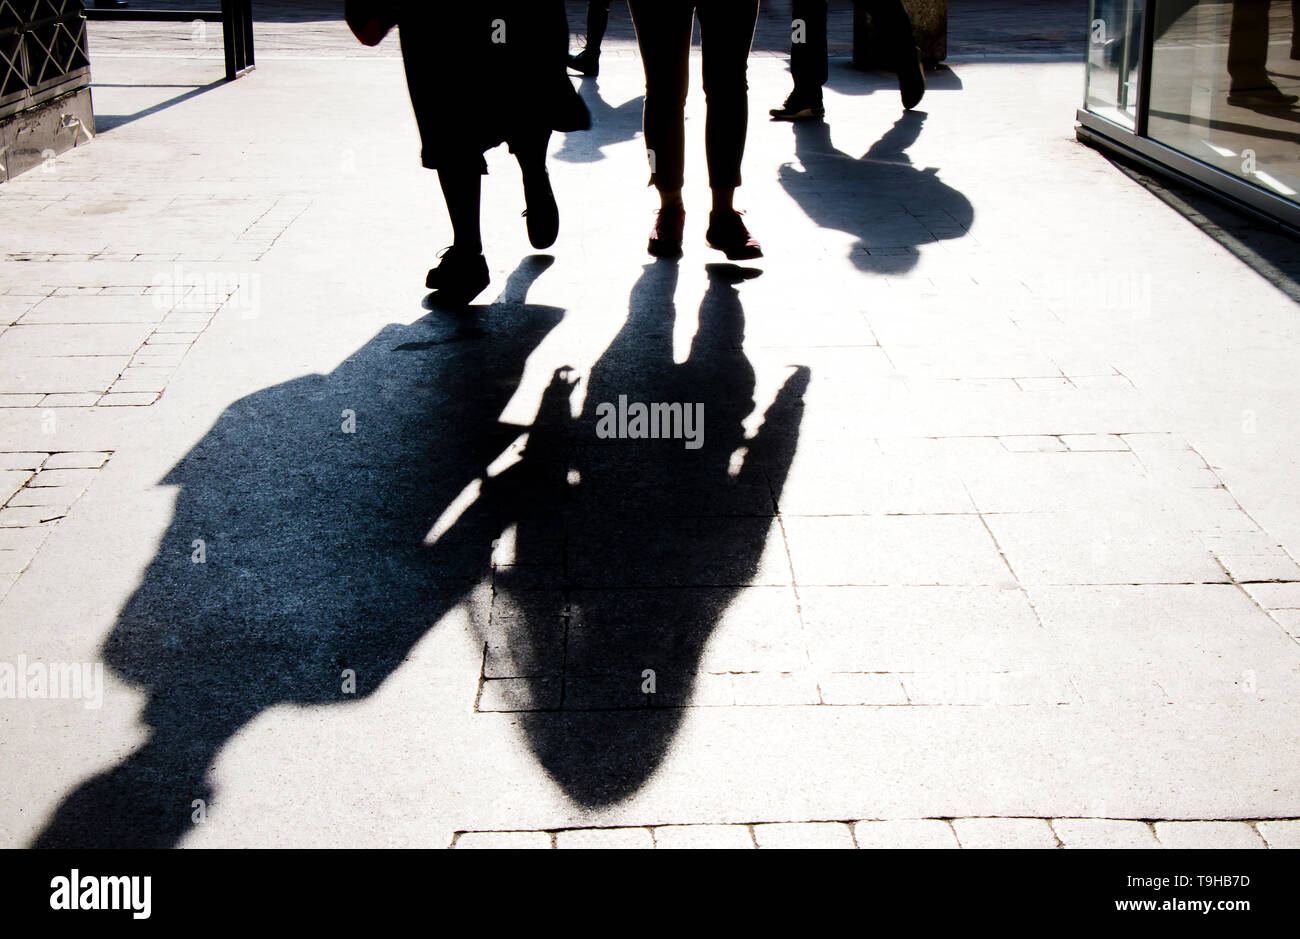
(79, 891)
(655, 421)
(83, 681)
(182, 290)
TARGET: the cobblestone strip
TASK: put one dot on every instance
(912, 833)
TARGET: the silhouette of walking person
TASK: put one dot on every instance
(808, 51)
(656, 534)
(318, 563)
(663, 32)
(504, 60)
(587, 62)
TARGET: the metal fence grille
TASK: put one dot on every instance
(42, 51)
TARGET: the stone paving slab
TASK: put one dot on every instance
(35, 493)
(1280, 834)
(1208, 835)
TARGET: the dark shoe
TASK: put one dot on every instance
(666, 236)
(1266, 96)
(584, 63)
(799, 108)
(459, 277)
(728, 234)
(911, 81)
(542, 214)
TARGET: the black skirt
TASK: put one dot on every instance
(487, 72)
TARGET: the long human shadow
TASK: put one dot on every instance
(647, 540)
(880, 198)
(297, 558)
(326, 555)
(610, 125)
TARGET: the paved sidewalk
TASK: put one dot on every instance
(990, 539)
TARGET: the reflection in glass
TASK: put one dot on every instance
(1225, 82)
(1114, 50)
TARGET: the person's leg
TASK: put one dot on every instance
(1248, 44)
(1250, 85)
(726, 35)
(597, 23)
(894, 27)
(663, 32)
(542, 213)
(808, 48)
(588, 60)
(462, 189)
(1295, 29)
(462, 274)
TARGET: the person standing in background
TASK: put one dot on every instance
(808, 51)
(587, 62)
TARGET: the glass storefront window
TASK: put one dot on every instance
(1114, 51)
(1225, 82)
(1207, 90)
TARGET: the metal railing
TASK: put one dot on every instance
(42, 52)
(235, 17)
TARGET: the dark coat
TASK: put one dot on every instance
(487, 72)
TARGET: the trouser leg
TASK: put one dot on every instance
(894, 29)
(726, 36)
(663, 33)
(597, 23)
(1248, 44)
(808, 46)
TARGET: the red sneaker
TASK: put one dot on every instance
(666, 236)
(728, 234)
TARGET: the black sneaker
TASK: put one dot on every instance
(459, 277)
(542, 214)
(911, 81)
(728, 234)
(584, 63)
(799, 108)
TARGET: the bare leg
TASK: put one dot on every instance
(463, 274)
(542, 213)
(462, 189)
(670, 198)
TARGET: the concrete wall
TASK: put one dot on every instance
(29, 138)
